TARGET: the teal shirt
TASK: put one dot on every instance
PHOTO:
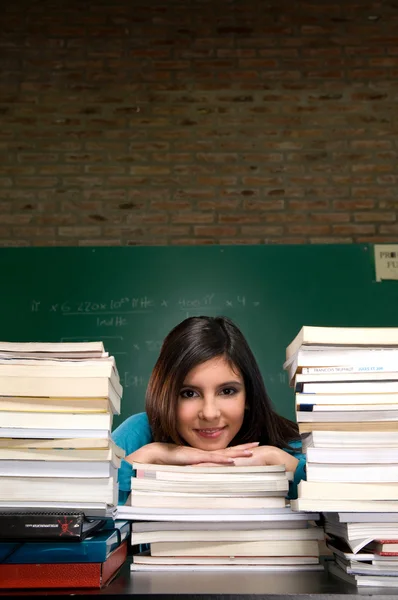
(135, 432)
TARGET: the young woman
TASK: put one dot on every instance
(206, 403)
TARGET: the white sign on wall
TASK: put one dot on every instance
(386, 261)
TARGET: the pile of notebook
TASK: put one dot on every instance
(217, 518)
(58, 465)
(346, 390)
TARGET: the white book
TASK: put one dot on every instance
(361, 517)
(391, 368)
(42, 468)
(346, 416)
(194, 535)
(349, 387)
(105, 367)
(277, 548)
(358, 568)
(233, 476)
(212, 515)
(29, 421)
(56, 489)
(189, 502)
(27, 347)
(28, 355)
(63, 443)
(150, 526)
(343, 336)
(350, 439)
(90, 387)
(145, 467)
(327, 490)
(208, 495)
(53, 405)
(368, 426)
(144, 558)
(150, 485)
(211, 567)
(318, 505)
(375, 581)
(344, 399)
(343, 408)
(332, 377)
(353, 455)
(328, 356)
(365, 473)
(51, 434)
(112, 454)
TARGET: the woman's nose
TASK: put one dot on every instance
(209, 410)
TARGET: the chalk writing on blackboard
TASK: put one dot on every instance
(142, 305)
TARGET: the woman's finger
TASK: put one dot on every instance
(244, 446)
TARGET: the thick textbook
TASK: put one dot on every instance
(90, 387)
(53, 347)
(224, 535)
(55, 421)
(371, 426)
(361, 473)
(328, 490)
(276, 548)
(59, 469)
(96, 547)
(40, 489)
(144, 558)
(63, 575)
(65, 526)
(196, 502)
(65, 443)
(213, 515)
(343, 336)
(159, 471)
(57, 405)
(350, 439)
(373, 580)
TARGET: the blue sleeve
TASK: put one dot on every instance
(131, 435)
(300, 472)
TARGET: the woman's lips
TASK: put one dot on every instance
(210, 432)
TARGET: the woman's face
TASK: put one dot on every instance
(211, 405)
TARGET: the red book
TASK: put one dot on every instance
(69, 575)
(386, 547)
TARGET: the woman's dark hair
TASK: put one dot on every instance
(195, 341)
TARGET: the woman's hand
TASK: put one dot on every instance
(268, 455)
(171, 454)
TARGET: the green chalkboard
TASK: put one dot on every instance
(131, 297)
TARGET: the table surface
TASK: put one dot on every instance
(220, 585)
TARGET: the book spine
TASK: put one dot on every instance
(350, 369)
(41, 527)
(305, 407)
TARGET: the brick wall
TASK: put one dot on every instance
(198, 121)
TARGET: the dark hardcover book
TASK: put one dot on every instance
(73, 527)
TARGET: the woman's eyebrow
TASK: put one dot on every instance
(234, 382)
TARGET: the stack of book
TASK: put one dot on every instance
(58, 465)
(346, 384)
(201, 518)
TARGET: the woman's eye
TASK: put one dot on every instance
(228, 391)
(188, 394)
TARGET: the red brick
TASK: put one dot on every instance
(375, 217)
